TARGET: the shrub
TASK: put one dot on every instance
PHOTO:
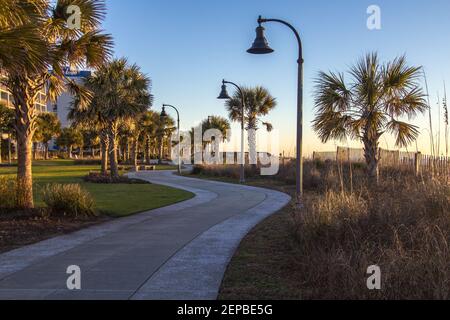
(68, 200)
(7, 194)
(87, 162)
(97, 177)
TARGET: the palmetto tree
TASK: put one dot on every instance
(149, 123)
(48, 46)
(217, 122)
(214, 122)
(372, 104)
(92, 118)
(20, 43)
(120, 92)
(164, 130)
(132, 129)
(258, 103)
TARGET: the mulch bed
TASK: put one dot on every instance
(18, 229)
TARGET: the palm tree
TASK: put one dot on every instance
(154, 133)
(58, 47)
(150, 124)
(219, 123)
(369, 106)
(48, 127)
(20, 43)
(92, 118)
(258, 103)
(132, 129)
(120, 92)
(164, 129)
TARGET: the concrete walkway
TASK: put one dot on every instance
(177, 252)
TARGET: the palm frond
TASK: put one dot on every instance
(404, 133)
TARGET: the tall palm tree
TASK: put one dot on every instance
(59, 47)
(164, 130)
(370, 105)
(91, 119)
(150, 124)
(132, 130)
(120, 92)
(258, 103)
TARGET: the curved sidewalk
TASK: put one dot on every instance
(176, 252)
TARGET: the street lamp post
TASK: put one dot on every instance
(164, 115)
(261, 46)
(225, 96)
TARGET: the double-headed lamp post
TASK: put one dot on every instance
(261, 46)
(225, 96)
(164, 116)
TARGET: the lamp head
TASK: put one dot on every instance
(224, 93)
(163, 115)
(260, 45)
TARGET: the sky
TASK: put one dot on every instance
(188, 47)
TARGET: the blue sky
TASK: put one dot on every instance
(187, 47)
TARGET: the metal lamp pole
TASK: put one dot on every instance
(164, 114)
(225, 96)
(261, 46)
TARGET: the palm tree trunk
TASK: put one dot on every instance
(25, 119)
(104, 142)
(372, 158)
(46, 151)
(70, 152)
(161, 150)
(34, 150)
(113, 151)
(134, 154)
(9, 149)
(253, 158)
(24, 170)
(1, 147)
(147, 150)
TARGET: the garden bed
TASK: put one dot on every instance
(18, 229)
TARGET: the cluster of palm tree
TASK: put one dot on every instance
(119, 116)
(118, 110)
(36, 45)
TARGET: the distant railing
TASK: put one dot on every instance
(414, 161)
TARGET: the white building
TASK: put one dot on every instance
(64, 102)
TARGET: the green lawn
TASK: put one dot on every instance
(117, 200)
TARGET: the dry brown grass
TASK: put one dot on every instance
(403, 227)
(323, 251)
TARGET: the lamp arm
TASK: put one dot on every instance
(237, 87)
(290, 26)
(168, 105)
